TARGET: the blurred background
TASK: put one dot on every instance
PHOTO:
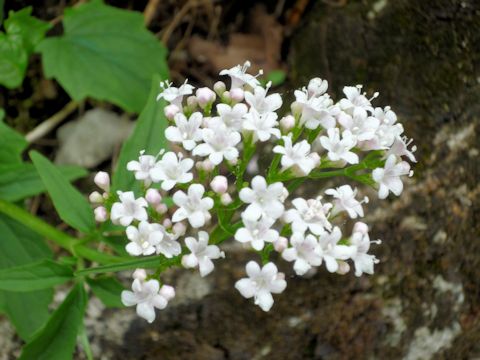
(424, 58)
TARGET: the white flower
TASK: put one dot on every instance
(192, 206)
(297, 155)
(400, 148)
(147, 296)
(360, 243)
(261, 283)
(331, 251)
(306, 252)
(232, 117)
(187, 132)
(309, 214)
(201, 254)
(355, 99)
(143, 239)
(174, 95)
(317, 87)
(142, 167)
(263, 126)
(362, 126)
(316, 111)
(386, 132)
(220, 143)
(264, 200)
(257, 232)
(262, 103)
(128, 209)
(345, 200)
(389, 177)
(339, 149)
(172, 170)
(240, 77)
(168, 246)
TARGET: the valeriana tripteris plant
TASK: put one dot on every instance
(215, 136)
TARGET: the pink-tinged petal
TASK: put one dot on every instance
(128, 298)
(252, 269)
(159, 302)
(146, 311)
(264, 299)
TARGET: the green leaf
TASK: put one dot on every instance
(18, 181)
(72, 207)
(39, 275)
(23, 32)
(148, 135)
(57, 339)
(106, 53)
(18, 246)
(108, 289)
(277, 77)
(12, 143)
(23, 27)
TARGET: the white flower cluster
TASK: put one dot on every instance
(215, 134)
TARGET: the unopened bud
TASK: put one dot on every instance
(96, 198)
(102, 180)
(168, 292)
(219, 88)
(170, 111)
(205, 96)
(219, 184)
(237, 94)
(343, 267)
(296, 108)
(287, 123)
(139, 274)
(179, 229)
(226, 97)
(281, 244)
(192, 102)
(153, 196)
(360, 227)
(226, 199)
(101, 214)
(161, 208)
(208, 165)
(167, 223)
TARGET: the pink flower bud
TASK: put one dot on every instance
(233, 162)
(343, 267)
(139, 274)
(219, 87)
(287, 123)
(95, 198)
(226, 97)
(167, 223)
(192, 102)
(101, 214)
(102, 180)
(237, 94)
(226, 199)
(205, 96)
(161, 208)
(208, 165)
(168, 292)
(153, 196)
(179, 229)
(360, 227)
(219, 184)
(281, 244)
(170, 111)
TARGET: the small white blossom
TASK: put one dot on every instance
(387, 131)
(168, 246)
(238, 75)
(309, 215)
(354, 99)
(128, 209)
(193, 206)
(147, 295)
(186, 132)
(332, 252)
(305, 252)
(317, 87)
(261, 102)
(219, 143)
(388, 177)
(339, 149)
(345, 200)
(172, 170)
(263, 126)
(263, 199)
(232, 117)
(174, 95)
(362, 126)
(143, 239)
(316, 111)
(201, 254)
(261, 283)
(360, 243)
(257, 232)
(142, 167)
(298, 155)
(400, 148)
